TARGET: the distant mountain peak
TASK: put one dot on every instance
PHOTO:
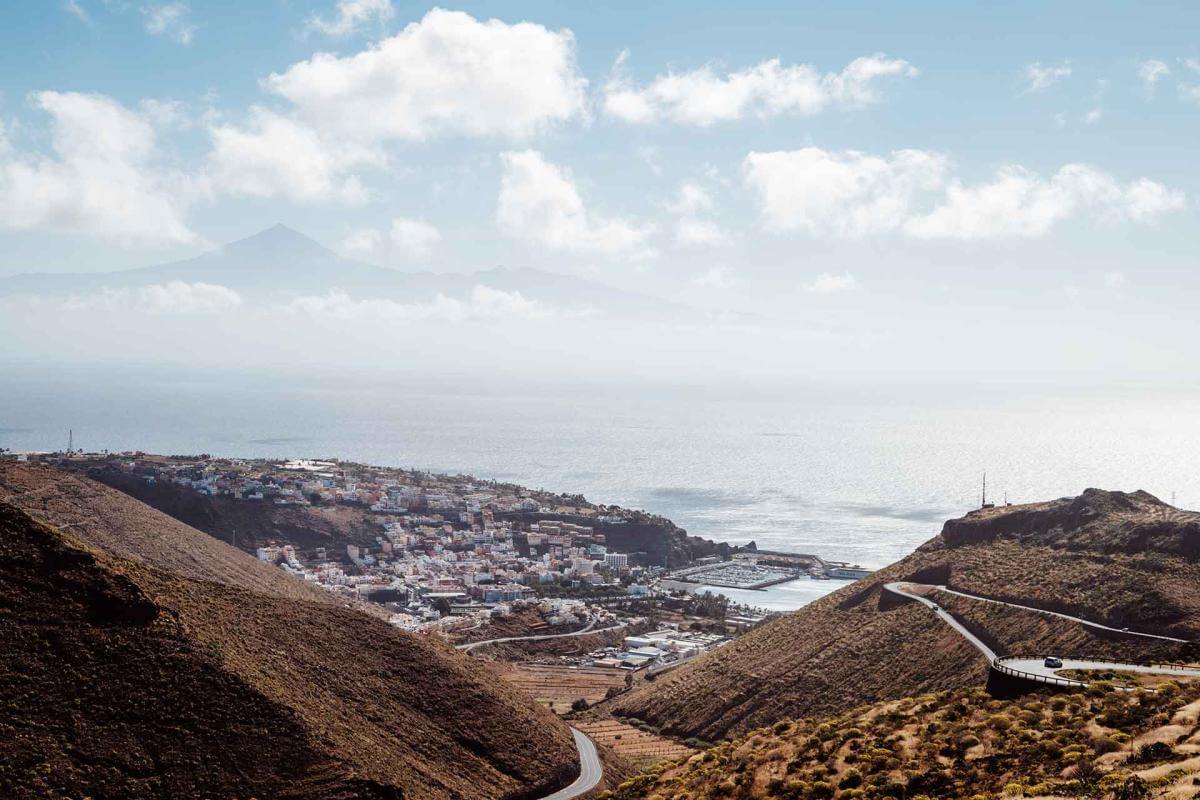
(278, 238)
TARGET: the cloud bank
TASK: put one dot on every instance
(915, 193)
(539, 203)
(705, 97)
(448, 74)
(104, 177)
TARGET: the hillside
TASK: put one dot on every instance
(121, 526)
(1120, 559)
(252, 524)
(128, 678)
(648, 539)
(959, 744)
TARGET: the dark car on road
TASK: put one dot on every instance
(1052, 662)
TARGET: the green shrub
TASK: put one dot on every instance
(851, 780)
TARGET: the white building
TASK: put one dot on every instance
(617, 561)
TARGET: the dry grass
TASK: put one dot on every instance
(558, 686)
(641, 748)
(962, 744)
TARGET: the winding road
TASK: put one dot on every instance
(466, 648)
(1034, 668)
(1058, 614)
(945, 616)
(590, 770)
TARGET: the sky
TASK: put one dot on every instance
(925, 187)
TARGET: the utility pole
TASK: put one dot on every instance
(983, 495)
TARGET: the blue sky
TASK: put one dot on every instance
(891, 160)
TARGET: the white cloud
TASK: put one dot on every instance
(1151, 72)
(841, 193)
(165, 113)
(484, 303)
(1114, 280)
(447, 74)
(275, 156)
(1021, 203)
(352, 16)
(1097, 112)
(1043, 76)
(539, 202)
(651, 157)
(914, 193)
(173, 297)
(172, 20)
(769, 89)
(102, 180)
(829, 283)
(694, 231)
(415, 238)
(80, 13)
(691, 199)
(691, 202)
(362, 242)
(719, 277)
(411, 239)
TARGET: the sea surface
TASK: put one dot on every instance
(780, 597)
(858, 473)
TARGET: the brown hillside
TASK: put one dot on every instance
(1123, 559)
(117, 524)
(960, 744)
(118, 680)
(251, 523)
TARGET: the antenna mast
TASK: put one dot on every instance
(983, 495)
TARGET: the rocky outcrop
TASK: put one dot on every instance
(1097, 520)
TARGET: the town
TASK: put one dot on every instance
(455, 555)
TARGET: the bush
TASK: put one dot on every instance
(820, 789)
(1085, 771)
(1155, 751)
(1134, 788)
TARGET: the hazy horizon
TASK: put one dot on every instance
(811, 193)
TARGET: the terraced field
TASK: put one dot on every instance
(640, 748)
(557, 686)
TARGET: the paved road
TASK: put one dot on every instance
(1060, 615)
(1035, 667)
(590, 770)
(946, 617)
(466, 648)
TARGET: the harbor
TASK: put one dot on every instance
(774, 581)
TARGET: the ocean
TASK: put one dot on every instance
(853, 472)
